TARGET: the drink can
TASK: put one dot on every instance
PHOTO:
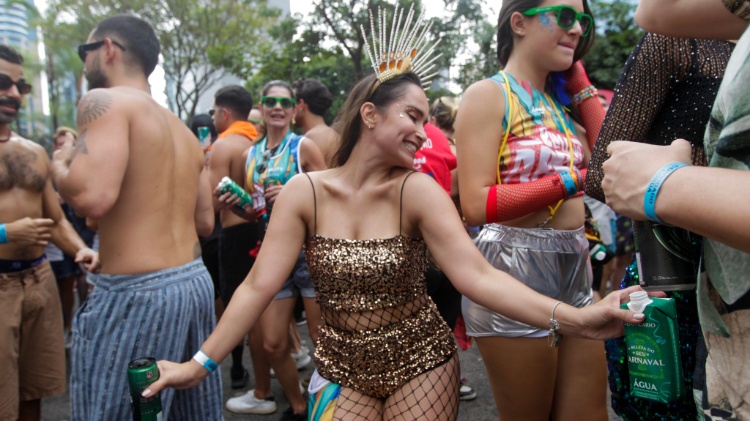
(246, 201)
(141, 373)
(667, 256)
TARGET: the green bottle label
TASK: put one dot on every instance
(654, 363)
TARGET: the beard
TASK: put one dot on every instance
(7, 118)
(95, 77)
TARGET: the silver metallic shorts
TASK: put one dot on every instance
(552, 262)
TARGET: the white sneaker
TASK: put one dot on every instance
(303, 361)
(249, 404)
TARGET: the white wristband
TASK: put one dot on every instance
(201, 358)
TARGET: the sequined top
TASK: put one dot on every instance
(665, 92)
(380, 329)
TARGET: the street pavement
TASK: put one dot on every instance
(480, 409)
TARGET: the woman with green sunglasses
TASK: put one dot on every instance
(269, 165)
(522, 162)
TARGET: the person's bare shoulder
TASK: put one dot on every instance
(321, 133)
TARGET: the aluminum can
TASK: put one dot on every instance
(141, 373)
(246, 201)
(667, 256)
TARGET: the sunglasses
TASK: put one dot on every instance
(6, 82)
(263, 164)
(566, 17)
(85, 49)
(212, 111)
(271, 101)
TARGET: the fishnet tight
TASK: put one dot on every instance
(431, 396)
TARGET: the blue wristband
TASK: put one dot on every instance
(205, 361)
(649, 199)
(3, 234)
(570, 185)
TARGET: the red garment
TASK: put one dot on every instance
(436, 157)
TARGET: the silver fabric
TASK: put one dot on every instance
(552, 262)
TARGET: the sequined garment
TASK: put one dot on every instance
(665, 92)
(380, 329)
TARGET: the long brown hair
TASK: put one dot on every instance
(368, 89)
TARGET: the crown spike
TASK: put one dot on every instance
(402, 47)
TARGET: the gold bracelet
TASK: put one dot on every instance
(554, 326)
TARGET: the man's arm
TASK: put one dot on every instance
(311, 157)
(690, 18)
(204, 209)
(709, 201)
(62, 233)
(89, 172)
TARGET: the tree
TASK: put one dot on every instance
(200, 40)
(617, 36)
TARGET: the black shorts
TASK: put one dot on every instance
(235, 261)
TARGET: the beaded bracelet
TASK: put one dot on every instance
(554, 326)
(649, 199)
(201, 358)
(585, 93)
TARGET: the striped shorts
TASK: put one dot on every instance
(165, 314)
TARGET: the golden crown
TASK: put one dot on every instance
(404, 50)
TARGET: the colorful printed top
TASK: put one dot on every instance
(266, 167)
(537, 143)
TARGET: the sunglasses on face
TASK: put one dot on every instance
(6, 82)
(212, 111)
(566, 17)
(271, 101)
(263, 165)
(85, 49)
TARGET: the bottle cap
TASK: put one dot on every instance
(639, 300)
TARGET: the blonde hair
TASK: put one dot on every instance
(444, 110)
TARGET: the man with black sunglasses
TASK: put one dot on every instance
(32, 351)
(138, 171)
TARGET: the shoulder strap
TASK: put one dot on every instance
(315, 206)
(401, 201)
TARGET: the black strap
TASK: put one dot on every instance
(315, 206)
(401, 204)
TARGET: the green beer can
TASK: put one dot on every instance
(141, 373)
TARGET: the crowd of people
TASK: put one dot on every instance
(399, 231)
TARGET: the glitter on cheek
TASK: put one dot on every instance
(546, 22)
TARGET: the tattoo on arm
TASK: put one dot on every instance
(80, 146)
(93, 106)
(197, 251)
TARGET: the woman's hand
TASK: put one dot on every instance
(178, 376)
(604, 319)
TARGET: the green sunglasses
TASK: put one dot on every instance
(271, 101)
(566, 17)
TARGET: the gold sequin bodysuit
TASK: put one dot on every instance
(380, 329)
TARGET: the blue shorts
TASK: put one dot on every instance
(65, 268)
(165, 314)
(299, 282)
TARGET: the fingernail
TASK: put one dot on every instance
(639, 316)
(146, 393)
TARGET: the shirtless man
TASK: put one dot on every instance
(32, 352)
(138, 170)
(313, 100)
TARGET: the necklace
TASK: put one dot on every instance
(7, 138)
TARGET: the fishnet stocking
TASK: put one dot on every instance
(665, 92)
(432, 396)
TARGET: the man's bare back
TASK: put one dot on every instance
(145, 166)
(327, 140)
